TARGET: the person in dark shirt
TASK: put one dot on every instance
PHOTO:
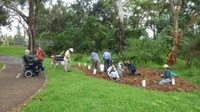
(131, 67)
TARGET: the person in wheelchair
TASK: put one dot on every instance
(31, 66)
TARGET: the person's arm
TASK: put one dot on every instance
(120, 67)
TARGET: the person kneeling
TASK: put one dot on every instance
(166, 76)
(112, 73)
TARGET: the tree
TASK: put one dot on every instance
(3, 16)
(121, 27)
(30, 20)
(192, 12)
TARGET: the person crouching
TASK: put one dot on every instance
(112, 73)
(166, 75)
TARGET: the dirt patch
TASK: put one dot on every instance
(150, 75)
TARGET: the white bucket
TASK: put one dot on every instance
(89, 67)
(144, 83)
(102, 67)
(173, 81)
(94, 71)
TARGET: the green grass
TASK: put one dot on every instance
(17, 51)
(1, 65)
(76, 92)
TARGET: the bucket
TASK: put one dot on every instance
(94, 71)
(144, 83)
(173, 81)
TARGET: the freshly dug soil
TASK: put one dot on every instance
(150, 75)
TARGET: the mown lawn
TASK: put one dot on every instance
(17, 51)
(1, 65)
(76, 92)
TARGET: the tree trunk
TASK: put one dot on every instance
(31, 27)
(176, 41)
(121, 27)
(121, 36)
(176, 37)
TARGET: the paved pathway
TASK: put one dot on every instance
(14, 89)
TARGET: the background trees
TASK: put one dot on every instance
(19, 8)
(190, 11)
(90, 25)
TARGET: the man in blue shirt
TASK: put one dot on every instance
(107, 59)
(95, 61)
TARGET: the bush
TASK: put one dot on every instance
(145, 50)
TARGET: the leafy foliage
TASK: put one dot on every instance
(145, 50)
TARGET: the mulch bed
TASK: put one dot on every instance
(150, 75)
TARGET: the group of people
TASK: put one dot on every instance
(114, 72)
(40, 57)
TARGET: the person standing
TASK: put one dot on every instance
(107, 59)
(67, 59)
(95, 61)
(40, 57)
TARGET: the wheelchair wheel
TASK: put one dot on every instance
(28, 74)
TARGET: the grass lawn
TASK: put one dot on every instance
(17, 51)
(76, 92)
(1, 65)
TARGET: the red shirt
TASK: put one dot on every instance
(40, 54)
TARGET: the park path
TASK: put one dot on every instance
(14, 89)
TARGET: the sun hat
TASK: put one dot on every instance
(71, 49)
(165, 66)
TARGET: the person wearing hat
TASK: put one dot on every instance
(167, 75)
(67, 59)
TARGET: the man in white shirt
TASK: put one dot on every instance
(67, 59)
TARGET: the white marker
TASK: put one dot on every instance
(85, 64)
(173, 81)
(18, 75)
(79, 64)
